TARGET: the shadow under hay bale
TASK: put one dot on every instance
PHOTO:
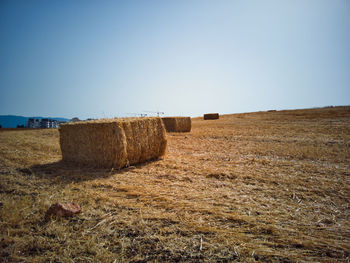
(68, 172)
(114, 142)
(177, 124)
(211, 116)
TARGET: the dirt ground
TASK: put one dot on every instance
(256, 187)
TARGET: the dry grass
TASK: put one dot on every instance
(266, 186)
(113, 143)
(177, 124)
(211, 116)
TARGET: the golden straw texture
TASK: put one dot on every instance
(177, 124)
(113, 143)
(211, 116)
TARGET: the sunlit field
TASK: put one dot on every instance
(265, 186)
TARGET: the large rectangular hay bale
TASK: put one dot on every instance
(113, 143)
(211, 116)
(177, 124)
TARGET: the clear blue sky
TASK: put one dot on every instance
(84, 58)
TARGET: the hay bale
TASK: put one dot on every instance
(211, 116)
(177, 124)
(113, 143)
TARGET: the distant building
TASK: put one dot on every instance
(48, 123)
(42, 123)
(33, 123)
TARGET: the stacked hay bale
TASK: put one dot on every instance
(211, 116)
(177, 124)
(113, 143)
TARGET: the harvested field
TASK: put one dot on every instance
(265, 186)
(177, 124)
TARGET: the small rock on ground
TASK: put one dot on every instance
(58, 210)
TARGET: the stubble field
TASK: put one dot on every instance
(266, 186)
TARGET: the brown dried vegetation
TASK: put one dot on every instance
(211, 116)
(265, 186)
(177, 124)
(113, 143)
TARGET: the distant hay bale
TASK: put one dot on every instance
(177, 124)
(113, 143)
(211, 116)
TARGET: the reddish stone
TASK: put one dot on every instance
(62, 210)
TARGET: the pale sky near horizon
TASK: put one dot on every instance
(94, 59)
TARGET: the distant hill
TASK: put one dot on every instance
(11, 121)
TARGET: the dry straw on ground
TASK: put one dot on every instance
(113, 142)
(177, 124)
(211, 116)
(252, 187)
